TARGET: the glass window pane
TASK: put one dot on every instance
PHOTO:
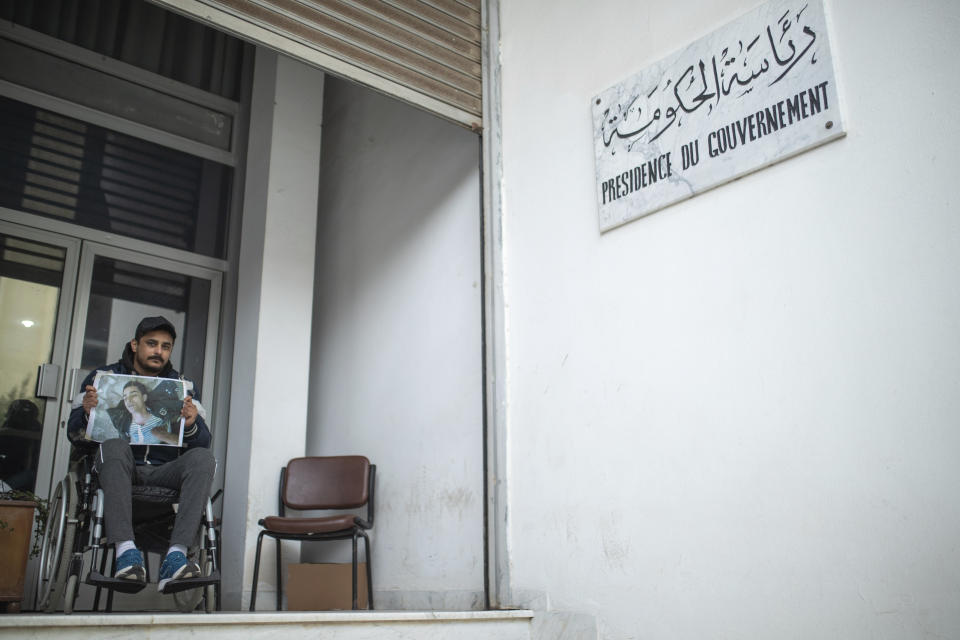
(62, 168)
(152, 38)
(30, 277)
(122, 293)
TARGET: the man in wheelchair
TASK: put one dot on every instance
(120, 464)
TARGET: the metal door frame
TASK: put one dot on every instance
(61, 337)
(52, 425)
(68, 336)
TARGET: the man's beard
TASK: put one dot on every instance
(150, 365)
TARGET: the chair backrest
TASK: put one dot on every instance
(326, 482)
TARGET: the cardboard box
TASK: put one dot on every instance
(325, 586)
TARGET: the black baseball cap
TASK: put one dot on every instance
(154, 323)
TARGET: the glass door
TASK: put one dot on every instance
(118, 287)
(69, 306)
(38, 275)
(38, 272)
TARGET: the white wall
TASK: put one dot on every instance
(274, 314)
(737, 417)
(396, 372)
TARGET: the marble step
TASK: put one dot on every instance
(341, 625)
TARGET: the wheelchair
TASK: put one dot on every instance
(74, 539)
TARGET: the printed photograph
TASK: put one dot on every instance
(139, 409)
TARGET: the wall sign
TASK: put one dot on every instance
(756, 91)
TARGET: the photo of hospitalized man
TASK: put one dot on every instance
(140, 410)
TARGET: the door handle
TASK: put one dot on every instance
(72, 386)
(48, 378)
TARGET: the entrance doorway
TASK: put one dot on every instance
(68, 306)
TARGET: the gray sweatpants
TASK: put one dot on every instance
(191, 474)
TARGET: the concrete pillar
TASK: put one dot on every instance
(268, 400)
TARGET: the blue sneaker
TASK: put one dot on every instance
(176, 567)
(130, 566)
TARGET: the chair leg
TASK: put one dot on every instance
(256, 573)
(366, 544)
(279, 576)
(354, 585)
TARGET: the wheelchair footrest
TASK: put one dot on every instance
(175, 586)
(123, 585)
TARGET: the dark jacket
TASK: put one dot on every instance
(197, 435)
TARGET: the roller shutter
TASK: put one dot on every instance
(425, 52)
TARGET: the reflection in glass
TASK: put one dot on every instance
(30, 277)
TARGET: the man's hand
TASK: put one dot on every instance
(165, 436)
(89, 399)
(189, 412)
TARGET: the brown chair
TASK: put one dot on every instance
(332, 482)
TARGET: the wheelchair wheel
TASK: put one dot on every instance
(57, 549)
(70, 593)
(188, 600)
(210, 591)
